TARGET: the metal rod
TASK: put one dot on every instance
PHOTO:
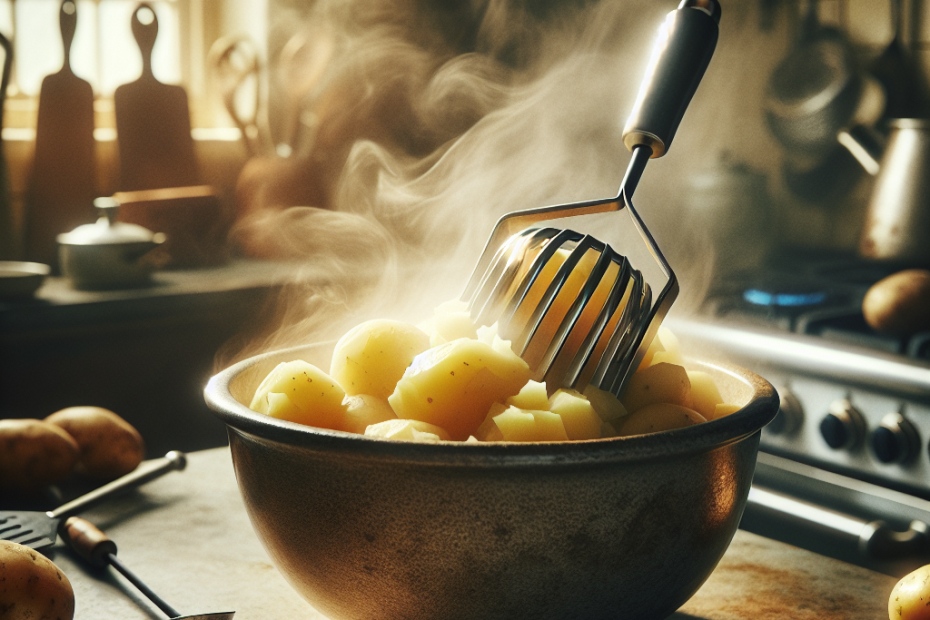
(140, 585)
(634, 170)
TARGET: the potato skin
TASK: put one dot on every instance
(110, 446)
(31, 586)
(910, 597)
(898, 304)
(34, 454)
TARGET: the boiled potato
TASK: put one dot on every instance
(110, 446)
(659, 417)
(605, 404)
(371, 357)
(300, 392)
(578, 416)
(35, 454)
(31, 586)
(910, 598)
(516, 424)
(661, 383)
(451, 321)
(533, 395)
(407, 430)
(724, 409)
(666, 346)
(363, 410)
(704, 393)
(453, 385)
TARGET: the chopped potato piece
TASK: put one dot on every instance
(519, 425)
(605, 404)
(533, 395)
(451, 321)
(662, 383)
(665, 344)
(453, 385)
(371, 357)
(659, 417)
(363, 410)
(704, 393)
(407, 430)
(578, 416)
(723, 410)
(300, 392)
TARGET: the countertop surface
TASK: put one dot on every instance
(188, 537)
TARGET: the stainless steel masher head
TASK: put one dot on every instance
(574, 308)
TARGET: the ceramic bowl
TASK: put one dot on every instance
(19, 280)
(370, 529)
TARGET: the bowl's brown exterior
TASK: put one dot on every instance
(370, 529)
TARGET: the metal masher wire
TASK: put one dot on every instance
(501, 288)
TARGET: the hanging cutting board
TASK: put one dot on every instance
(60, 192)
(153, 122)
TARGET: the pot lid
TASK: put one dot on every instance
(107, 231)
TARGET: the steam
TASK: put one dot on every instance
(426, 138)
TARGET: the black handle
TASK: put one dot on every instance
(686, 42)
(173, 461)
(67, 18)
(145, 35)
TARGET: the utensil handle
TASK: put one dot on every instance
(67, 19)
(88, 541)
(685, 44)
(173, 461)
(145, 35)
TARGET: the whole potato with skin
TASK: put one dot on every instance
(35, 454)
(31, 586)
(899, 304)
(110, 446)
(910, 598)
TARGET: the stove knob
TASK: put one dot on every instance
(844, 427)
(789, 417)
(895, 440)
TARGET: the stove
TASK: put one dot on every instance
(845, 465)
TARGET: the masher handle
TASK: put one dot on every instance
(683, 50)
(87, 541)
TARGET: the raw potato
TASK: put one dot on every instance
(407, 430)
(900, 303)
(659, 417)
(910, 597)
(35, 454)
(454, 385)
(364, 410)
(661, 383)
(371, 357)
(300, 392)
(110, 446)
(31, 586)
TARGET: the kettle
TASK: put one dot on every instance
(897, 222)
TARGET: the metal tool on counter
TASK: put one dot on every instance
(97, 548)
(8, 240)
(40, 529)
(611, 321)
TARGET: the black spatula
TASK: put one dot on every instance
(40, 529)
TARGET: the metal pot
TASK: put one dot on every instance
(107, 254)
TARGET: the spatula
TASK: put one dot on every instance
(61, 192)
(100, 551)
(40, 529)
(153, 123)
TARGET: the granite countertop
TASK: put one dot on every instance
(188, 537)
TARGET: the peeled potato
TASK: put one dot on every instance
(453, 385)
(659, 417)
(451, 321)
(520, 425)
(407, 430)
(724, 409)
(704, 393)
(533, 395)
(371, 357)
(110, 446)
(661, 383)
(363, 410)
(35, 454)
(31, 586)
(578, 416)
(910, 598)
(300, 392)
(605, 404)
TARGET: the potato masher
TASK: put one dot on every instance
(574, 308)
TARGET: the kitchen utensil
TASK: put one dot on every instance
(897, 224)
(606, 325)
(108, 254)
(366, 528)
(153, 122)
(100, 551)
(8, 240)
(237, 68)
(39, 529)
(21, 279)
(895, 70)
(60, 190)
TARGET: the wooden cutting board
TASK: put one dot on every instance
(153, 122)
(61, 188)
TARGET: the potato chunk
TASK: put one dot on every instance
(533, 395)
(662, 383)
(453, 385)
(363, 410)
(300, 392)
(578, 416)
(704, 393)
(724, 409)
(516, 424)
(659, 417)
(407, 430)
(371, 357)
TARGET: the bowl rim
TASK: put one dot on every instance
(750, 419)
